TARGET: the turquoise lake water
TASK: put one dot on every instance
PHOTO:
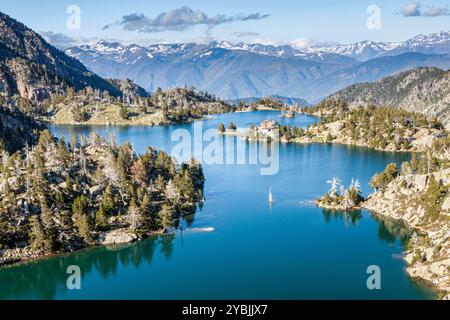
(290, 250)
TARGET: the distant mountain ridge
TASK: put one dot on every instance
(237, 71)
(425, 90)
(371, 71)
(435, 43)
(229, 74)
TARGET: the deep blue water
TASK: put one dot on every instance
(291, 250)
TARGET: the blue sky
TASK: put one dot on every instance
(322, 21)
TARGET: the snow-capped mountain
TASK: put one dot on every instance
(242, 70)
(435, 43)
(227, 70)
(362, 51)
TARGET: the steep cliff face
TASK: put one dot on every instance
(32, 68)
(425, 90)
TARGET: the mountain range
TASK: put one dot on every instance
(435, 43)
(33, 69)
(239, 71)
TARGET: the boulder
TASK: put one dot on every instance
(446, 204)
(420, 181)
(94, 190)
(117, 236)
(409, 258)
(429, 253)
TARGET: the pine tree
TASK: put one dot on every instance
(160, 184)
(166, 216)
(329, 138)
(63, 153)
(100, 218)
(69, 185)
(48, 223)
(146, 212)
(80, 217)
(8, 194)
(39, 241)
(84, 227)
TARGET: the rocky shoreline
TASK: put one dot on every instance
(403, 200)
(330, 133)
(338, 207)
(11, 257)
(428, 252)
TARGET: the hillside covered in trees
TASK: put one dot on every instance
(163, 107)
(58, 197)
(380, 128)
(424, 90)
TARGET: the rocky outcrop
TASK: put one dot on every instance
(428, 252)
(128, 88)
(10, 256)
(117, 237)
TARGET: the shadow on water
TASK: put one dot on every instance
(348, 217)
(389, 230)
(46, 278)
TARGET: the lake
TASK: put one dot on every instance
(290, 250)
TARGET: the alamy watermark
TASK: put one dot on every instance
(74, 280)
(212, 148)
(373, 22)
(74, 18)
(374, 280)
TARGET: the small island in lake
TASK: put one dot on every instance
(339, 198)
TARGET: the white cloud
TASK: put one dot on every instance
(304, 43)
(414, 10)
(411, 10)
(63, 41)
(180, 19)
(436, 12)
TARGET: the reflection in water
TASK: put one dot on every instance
(166, 243)
(389, 230)
(249, 245)
(351, 217)
(189, 219)
(48, 277)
